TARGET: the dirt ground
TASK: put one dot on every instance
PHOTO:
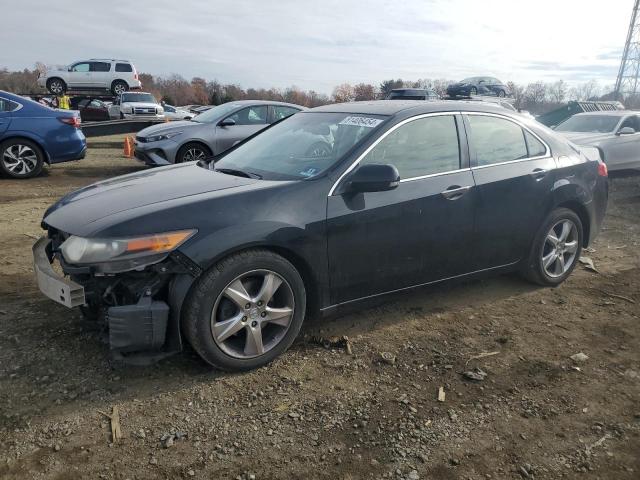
(320, 412)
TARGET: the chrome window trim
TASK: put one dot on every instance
(547, 153)
(12, 101)
(439, 174)
(382, 137)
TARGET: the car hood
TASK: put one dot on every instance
(163, 128)
(588, 138)
(77, 212)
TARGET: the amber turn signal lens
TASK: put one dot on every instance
(159, 243)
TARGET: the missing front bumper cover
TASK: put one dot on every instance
(54, 286)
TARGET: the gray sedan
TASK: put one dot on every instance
(209, 133)
(616, 134)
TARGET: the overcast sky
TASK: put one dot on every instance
(318, 44)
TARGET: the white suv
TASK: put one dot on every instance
(118, 76)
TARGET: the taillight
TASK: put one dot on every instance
(602, 169)
(73, 121)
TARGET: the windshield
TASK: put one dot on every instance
(138, 97)
(214, 113)
(589, 124)
(302, 146)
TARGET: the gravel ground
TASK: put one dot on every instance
(324, 410)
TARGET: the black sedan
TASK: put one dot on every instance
(234, 252)
(91, 109)
(468, 87)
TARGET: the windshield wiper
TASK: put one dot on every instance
(238, 173)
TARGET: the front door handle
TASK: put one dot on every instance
(454, 192)
(539, 173)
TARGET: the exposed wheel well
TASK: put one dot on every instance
(37, 143)
(581, 211)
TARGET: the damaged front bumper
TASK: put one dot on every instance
(141, 309)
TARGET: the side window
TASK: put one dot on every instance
(8, 105)
(280, 112)
(80, 67)
(123, 67)
(256, 115)
(170, 109)
(421, 147)
(496, 140)
(100, 66)
(536, 147)
(632, 122)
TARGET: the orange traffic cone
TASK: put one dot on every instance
(128, 147)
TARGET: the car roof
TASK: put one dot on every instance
(264, 102)
(105, 60)
(393, 107)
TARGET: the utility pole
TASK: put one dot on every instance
(627, 81)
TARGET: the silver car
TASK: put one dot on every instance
(616, 134)
(209, 133)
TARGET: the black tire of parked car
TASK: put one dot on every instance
(56, 86)
(191, 146)
(534, 270)
(39, 155)
(121, 116)
(199, 305)
(502, 93)
(121, 84)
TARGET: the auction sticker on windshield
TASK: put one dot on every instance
(361, 122)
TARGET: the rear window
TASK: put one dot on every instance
(124, 67)
(100, 66)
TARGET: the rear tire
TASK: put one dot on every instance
(56, 86)
(118, 87)
(20, 158)
(216, 306)
(556, 249)
(501, 93)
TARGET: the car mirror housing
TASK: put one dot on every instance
(626, 131)
(227, 122)
(374, 178)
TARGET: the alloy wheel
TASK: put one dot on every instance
(252, 314)
(194, 154)
(119, 88)
(20, 159)
(560, 248)
(56, 87)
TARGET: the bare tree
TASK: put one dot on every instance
(364, 91)
(343, 93)
(557, 92)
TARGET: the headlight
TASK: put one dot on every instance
(78, 250)
(164, 136)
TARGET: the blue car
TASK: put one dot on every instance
(32, 134)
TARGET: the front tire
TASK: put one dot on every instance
(56, 86)
(192, 151)
(20, 158)
(556, 248)
(245, 311)
(501, 93)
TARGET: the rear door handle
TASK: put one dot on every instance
(454, 192)
(539, 173)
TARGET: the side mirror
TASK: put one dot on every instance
(626, 131)
(374, 178)
(227, 122)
